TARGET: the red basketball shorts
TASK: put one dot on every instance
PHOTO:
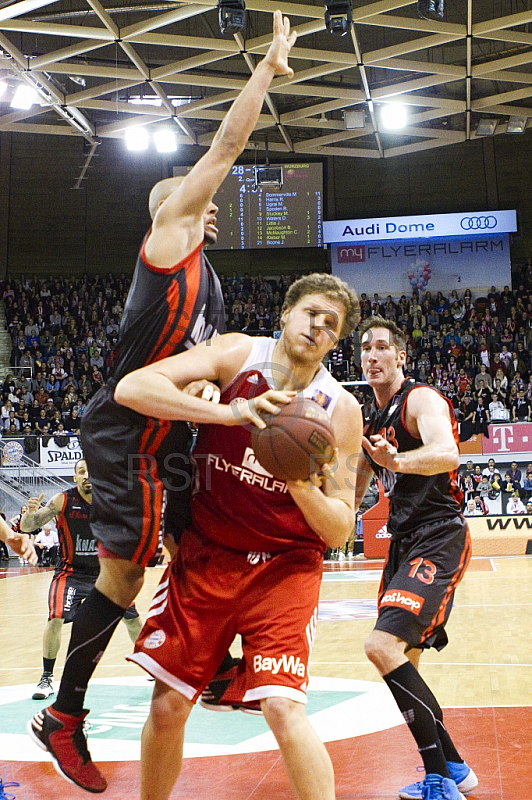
(208, 594)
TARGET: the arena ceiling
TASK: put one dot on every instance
(92, 62)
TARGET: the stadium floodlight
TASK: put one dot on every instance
(231, 15)
(354, 120)
(268, 176)
(24, 97)
(165, 140)
(516, 124)
(393, 116)
(431, 9)
(486, 127)
(137, 138)
(338, 16)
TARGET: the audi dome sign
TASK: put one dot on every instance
(472, 223)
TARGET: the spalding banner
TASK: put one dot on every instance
(61, 459)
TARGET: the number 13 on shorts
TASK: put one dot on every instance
(422, 569)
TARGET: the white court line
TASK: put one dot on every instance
(429, 664)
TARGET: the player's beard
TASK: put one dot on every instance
(209, 239)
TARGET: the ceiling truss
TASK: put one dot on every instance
(89, 59)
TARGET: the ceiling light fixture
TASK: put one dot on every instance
(430, 9)
(354, 120)
(338, 16)
(516, 124)
(137, 138)
(231, 15)
(486, 127)
(393, 116)
(24, 97)
(165, 140)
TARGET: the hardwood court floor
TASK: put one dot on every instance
(483, 679)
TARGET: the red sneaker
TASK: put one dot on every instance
(62, 736)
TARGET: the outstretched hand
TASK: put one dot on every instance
(283, 41)
(23, 547)
(381, 451)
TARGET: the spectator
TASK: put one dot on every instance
(520, 408)
(481, 418)
(527, 484)
(42, 396)
(529, 507)
(484, 377)
(47, 547)
(515, 505)
(492, 473)
(497, 410)
(515, 474)
(508, 486)
(471, 509)
(481, 505)
(484, 488)
(74, 420)
(467, 419)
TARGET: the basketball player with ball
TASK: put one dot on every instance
(251, 563)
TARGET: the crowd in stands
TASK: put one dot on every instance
(511, 485)
(476, 350)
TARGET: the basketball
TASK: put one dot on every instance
(296, 442)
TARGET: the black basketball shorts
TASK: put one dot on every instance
(419, 579)
(68, 590)
(131, 460)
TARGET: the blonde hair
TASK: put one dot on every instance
(330, 286)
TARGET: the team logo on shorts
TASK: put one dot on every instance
(400, 599)
(155, 639)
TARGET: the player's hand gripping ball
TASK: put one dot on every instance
(296, 442)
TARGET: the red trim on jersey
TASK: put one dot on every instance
(172, 300)
(167, 347)
(152, 496)
(403, 412)
(67, 545)
(439, 617)
(192, 280)
(165, 270)
(57, 596)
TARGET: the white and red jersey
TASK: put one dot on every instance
(237, 503)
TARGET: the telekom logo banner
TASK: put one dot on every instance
(508, 438)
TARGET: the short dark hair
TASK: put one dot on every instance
(397, 338)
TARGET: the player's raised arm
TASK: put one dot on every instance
(37, 515)
(185, 207)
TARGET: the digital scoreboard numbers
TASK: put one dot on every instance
(252, 216)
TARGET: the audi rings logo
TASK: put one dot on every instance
(478, 223)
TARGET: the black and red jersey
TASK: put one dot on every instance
(78, 551)
(415, 500)
(238, 503)
(168, 311)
